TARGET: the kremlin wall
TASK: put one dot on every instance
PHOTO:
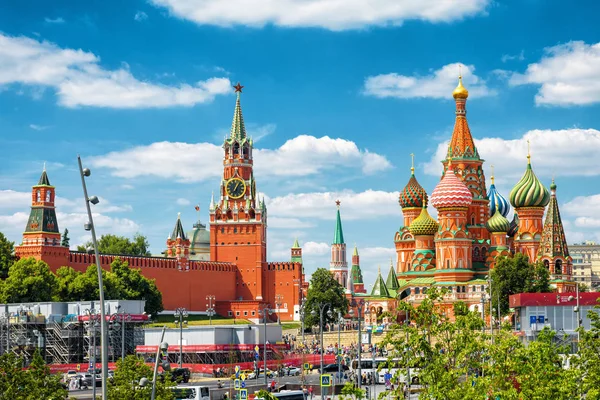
(229, 261)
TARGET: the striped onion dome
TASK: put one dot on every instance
(497, 199)
(424, 224)
(413, 194)
(529, 191)
(451, 191)
(498, 222)
(514, 226)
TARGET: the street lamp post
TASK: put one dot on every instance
(92, 314)
(322, 307)
(163, 346)
(278, 303)
(210, 307)
(180, 314)
(124, 319)
(339, 361)
(89, 226)
(359, 308)
(265, 312)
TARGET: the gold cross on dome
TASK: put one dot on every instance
(412, 162)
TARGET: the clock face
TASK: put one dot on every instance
(235, 188)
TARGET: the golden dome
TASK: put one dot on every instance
(460, 92)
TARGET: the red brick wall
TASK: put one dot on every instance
(282, 278)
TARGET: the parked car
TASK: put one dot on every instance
(270, 374)
(178, 375)
(291, 371)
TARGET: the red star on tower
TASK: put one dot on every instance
(238, 88)
(337, 203)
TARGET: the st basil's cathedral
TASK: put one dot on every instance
(471, 233)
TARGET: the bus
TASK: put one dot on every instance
(290, 395)
(372, 366)
(191, 392)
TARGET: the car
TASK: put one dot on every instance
(69, 374)
(334, 368)
(291, 371)
(270, 374)
(178, 375)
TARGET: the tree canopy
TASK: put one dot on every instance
(324, 289)
(458, 360)
(132, 369)
(516, 275)
(36, 381)
(30, 280)
(113, 244)
(7, 255)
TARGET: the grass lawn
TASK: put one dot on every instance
(290, 325)
(195, 320)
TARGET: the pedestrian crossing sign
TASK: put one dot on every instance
(237, 384)
(244, 394)
(326, 380)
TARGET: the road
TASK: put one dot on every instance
(311, 379)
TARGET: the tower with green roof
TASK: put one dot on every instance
(553, 250)
(338, 266)
(379, 288)
(356, 273)
(296, 252)
(41, 238)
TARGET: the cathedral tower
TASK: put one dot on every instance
(529, 198)
(338, 266)
(412, 199)
(498, 226)
(238, 228)
(424, 229)
(453, 240)
(356, 273)
(468, 165)
(41, 238)
(553, 250)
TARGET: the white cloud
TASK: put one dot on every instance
(583, 206)
(569, 74)
(140, 16)
(315, 248)
(79, 80)
(36, 127)
(183, 202)
(58, 20)
(518, 57)
(10, 199)
(328, 14)
(587, 222)
(354, 206)
(258, 132)
(288, 223)
(577, 150)
(439, 84)
(300, 156)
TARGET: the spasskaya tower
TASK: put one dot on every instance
(238, 219)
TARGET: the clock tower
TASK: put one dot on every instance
(238, 219)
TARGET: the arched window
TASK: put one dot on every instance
(476, 252)
(417, 290)
(48, 196)
(546, 263)
(38, 196)
(558, 267)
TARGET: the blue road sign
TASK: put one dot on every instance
(540, 319)
(256, 356)
(236, 384)
(532, 319)
(243, 384)
(326, 380)
(244, 394)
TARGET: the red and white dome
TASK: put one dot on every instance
(451, 192)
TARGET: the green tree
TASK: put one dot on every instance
(587, 361)
(36, 382)
(352, 392)
(324, 289)
(7, 255)
(132, 285)
(516, 275)
(128, 374)
(65, 238)
(29, 280)
(113, 244)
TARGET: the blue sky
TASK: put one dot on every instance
(337, 95)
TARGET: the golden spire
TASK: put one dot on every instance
(460, 92)
(492, 174)
(412, 163)
(528, 152)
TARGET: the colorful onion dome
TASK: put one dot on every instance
(496, 199)
(529, 191)
(498, 222)
(413, 194)
(460, 92)
(514, 226)
(451, 191)
(424, 224)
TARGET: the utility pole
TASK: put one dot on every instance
(180, 314)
